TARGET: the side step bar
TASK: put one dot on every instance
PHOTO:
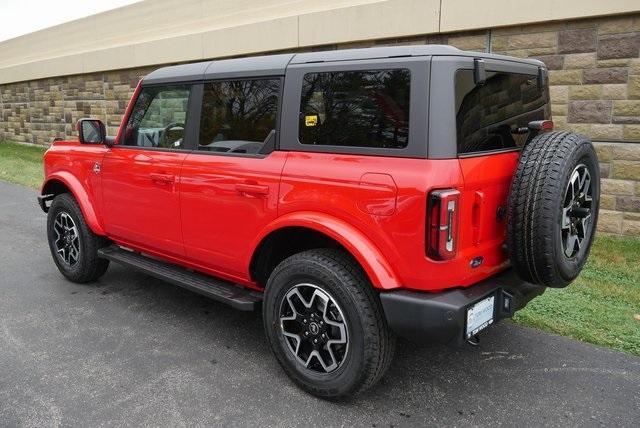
(217, 289)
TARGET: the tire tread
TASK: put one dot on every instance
(533, 205)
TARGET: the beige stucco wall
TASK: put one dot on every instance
(460, 15)
(163, 31)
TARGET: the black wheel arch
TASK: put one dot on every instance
(283, 243)
(54, 187)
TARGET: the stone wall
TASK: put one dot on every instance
(594, 73)
(41, 110)
(620, 181)
(594, 77)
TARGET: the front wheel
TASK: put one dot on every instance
(325, 324)
(74, 247)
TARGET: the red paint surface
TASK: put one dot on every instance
(209, 212)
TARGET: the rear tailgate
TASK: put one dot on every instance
(492, 124)
(483, 206)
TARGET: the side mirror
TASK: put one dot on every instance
(91, 131)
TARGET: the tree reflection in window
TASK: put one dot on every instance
(238, 115)
(356, 108)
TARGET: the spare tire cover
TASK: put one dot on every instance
(553, 208)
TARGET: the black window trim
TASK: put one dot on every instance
(197, 112)
(188, 143)
(418, 105)
(489, 152)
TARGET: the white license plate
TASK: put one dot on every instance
(479, 316)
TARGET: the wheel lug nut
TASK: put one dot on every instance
(315, 340)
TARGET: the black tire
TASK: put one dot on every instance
(370, 343)
(87, 266)
(540, 227)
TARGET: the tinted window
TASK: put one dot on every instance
(158, 118)
(489, 115)
(356, 108)
(238, 116)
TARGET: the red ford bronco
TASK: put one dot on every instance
(355, 195)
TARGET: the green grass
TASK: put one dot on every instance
(599, 307)
(21, 164)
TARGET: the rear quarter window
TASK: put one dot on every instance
(488, 116)
(355, 109)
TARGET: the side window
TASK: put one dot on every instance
(488, 117)
(356, 108)
(158, 118)
(238, 116)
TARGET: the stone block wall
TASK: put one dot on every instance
(594, 76)
(620, 181)
(594, 72)
(41, 110)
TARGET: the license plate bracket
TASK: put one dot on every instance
(480, 315)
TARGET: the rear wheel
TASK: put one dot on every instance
(325, 324)
(553, 208)
(73, 245)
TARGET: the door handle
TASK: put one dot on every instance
(162, 178)
(252, 189)
(476, 216)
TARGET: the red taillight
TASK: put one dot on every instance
(442, 224)
(541, 125)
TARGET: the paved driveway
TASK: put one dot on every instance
(130, 350)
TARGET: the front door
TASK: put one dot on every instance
(229, 186)
(141, 174)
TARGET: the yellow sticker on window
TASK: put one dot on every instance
(311, 120)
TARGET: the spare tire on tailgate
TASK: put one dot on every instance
(553, 208)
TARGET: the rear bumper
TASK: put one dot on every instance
(441, 317)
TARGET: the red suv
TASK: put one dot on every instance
(355, 195)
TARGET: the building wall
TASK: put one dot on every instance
(594, 68)
(594, 82)
(160, 31)
(38, 111)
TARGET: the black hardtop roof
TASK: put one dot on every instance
(275, 65)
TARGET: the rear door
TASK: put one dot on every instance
(491, 119)
(229, 185)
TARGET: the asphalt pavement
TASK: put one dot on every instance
(131, 350)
